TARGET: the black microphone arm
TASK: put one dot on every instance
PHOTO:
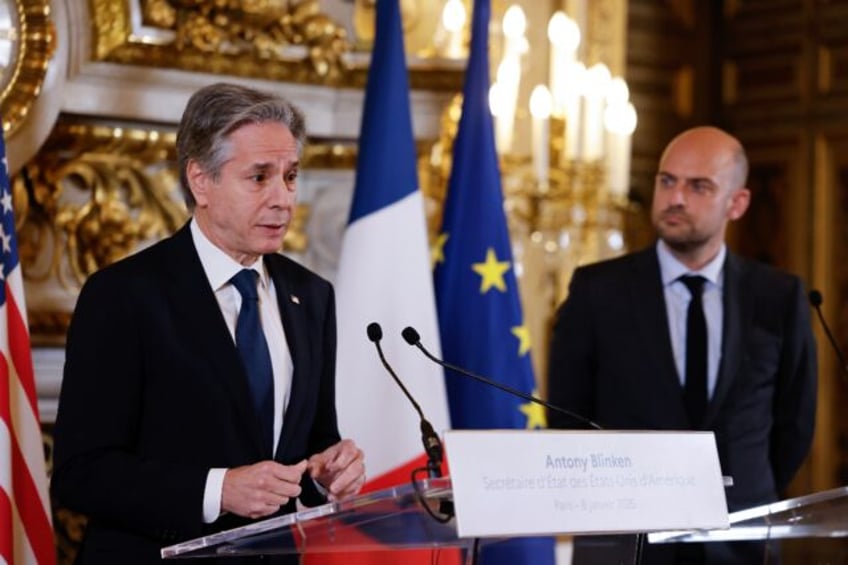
(410, 335)
(816, 300)
(431, 441)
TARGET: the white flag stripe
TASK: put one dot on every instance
(5, 462)
(23, 549)
(27, 430)
(25, 425)
(384, 277)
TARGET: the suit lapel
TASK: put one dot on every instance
(737, 301)
(648, 299)
(195, 302)
(294, 325)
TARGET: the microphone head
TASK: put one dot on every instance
(815, 298)
(375, 332)
(410, 335)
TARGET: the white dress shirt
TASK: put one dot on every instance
(220, 268)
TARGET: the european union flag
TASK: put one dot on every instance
(480, 320)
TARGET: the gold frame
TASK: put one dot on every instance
(37, 45)
(322, 58)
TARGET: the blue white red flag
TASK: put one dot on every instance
(26, 533)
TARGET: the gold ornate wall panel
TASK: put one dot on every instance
(26, 46)
(280, 40)
(276, 39)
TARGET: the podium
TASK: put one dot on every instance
(418, 516)
(819, 515)
(565, 482)
(409, 516)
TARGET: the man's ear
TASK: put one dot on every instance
(198, 182)
(739, 202)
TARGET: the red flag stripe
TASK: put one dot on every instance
(33, 516)
(19, 349)
(26, 431)
(6, 528)
(400, 475)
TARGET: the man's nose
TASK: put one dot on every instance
(283, 193)
(677, 193)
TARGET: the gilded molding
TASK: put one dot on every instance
(37, 37)
(289, 41)
(235, 38)
(94, 194)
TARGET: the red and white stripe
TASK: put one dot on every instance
(26, 532)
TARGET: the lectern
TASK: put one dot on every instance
(411, 516)
(563, 482)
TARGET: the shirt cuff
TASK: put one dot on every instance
(212, 495)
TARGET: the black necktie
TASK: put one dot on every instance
(695, 390)
(253, 349)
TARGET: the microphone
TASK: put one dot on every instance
(410, 335)
(816, 300)
(431, 441)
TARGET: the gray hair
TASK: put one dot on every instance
(214, 112)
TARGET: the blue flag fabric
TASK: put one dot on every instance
(385, 168)
(480, 319)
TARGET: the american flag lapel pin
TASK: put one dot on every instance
(295, 298)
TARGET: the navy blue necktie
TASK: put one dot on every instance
(253, 350)
(695, 389)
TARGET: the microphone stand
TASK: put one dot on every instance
(432, 443)
(412, 338)
(816, 301)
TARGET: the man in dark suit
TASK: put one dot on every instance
(173, 422)
(619, 349)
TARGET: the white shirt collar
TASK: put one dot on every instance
(671, 269)
(219, 266)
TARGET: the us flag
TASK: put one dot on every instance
(26, 533)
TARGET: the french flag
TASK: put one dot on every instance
(384, 276)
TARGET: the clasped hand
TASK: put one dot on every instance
(259, 490)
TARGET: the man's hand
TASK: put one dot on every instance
(340, 469)
(258, 490)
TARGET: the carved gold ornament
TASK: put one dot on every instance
(289, 40)
(27, 43)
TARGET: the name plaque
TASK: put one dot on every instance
(523, 482)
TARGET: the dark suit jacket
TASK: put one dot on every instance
(154, 395)
(611, 360)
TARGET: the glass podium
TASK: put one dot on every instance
(820, 515)
(410, 516)
(420, 516)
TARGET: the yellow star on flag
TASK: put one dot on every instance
(492, 272)
(437, 250)
(523, 335)
(536, 416)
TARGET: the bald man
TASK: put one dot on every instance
(619, 349)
